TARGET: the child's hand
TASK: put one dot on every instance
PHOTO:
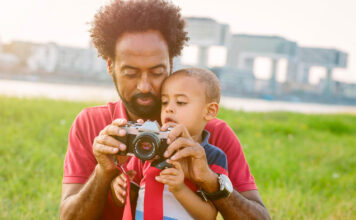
(173, 177)
(119, 187)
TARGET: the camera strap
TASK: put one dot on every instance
(153, 201)
(127, 215)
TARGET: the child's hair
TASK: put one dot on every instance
(208, 78)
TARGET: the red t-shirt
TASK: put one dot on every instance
(80, 161)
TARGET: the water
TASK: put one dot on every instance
(108, 93)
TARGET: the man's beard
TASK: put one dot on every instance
(142, 111)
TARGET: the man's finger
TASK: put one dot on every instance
(113, 131)
(178, 131)
(195, 152)
(109, 141)
(103, 149)
(119, 122)
(178, 144)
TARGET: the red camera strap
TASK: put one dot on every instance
(127, 215)
(153, 201)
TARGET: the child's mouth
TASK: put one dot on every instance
(167, 120)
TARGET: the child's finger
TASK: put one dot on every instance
(166, 179)
(169, 171)
(175, 164)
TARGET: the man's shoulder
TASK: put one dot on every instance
(219, 130)
(216, 123)
(109, 111)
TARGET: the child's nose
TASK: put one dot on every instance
(169, 108)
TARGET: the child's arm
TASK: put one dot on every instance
(197, 208)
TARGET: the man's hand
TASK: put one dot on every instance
(190, 153)
(105, 146)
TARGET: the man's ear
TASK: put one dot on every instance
(110, 66)
(170, 66)
(212, 110)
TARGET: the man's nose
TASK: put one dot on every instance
(144, 85)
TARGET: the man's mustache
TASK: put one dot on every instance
(144, 95)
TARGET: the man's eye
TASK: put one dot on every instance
(158, 71)
(130, 73)
(164, 102)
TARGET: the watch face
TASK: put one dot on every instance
(227, 183)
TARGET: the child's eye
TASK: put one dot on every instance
(181, 103)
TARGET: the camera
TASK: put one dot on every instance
(144, 141)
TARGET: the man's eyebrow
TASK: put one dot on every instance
(128, 67)
(157, 66)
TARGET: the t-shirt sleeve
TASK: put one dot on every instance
(79, 161)
(222, 136)
(216, 159)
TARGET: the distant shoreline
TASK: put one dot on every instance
(108, 93)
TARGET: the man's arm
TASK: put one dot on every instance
(246, 205)
(86, 201)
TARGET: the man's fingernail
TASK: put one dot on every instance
(166, 154)
(174, 157)
(114, 149)
(168, 140)
(122, 146)
(122, 132)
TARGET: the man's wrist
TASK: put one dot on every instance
(210, 183)
(106, 174)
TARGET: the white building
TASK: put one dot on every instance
(54, 58)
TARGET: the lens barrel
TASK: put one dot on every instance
(146, 145)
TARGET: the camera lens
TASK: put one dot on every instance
(146, 145)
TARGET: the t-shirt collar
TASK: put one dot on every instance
(205, 137)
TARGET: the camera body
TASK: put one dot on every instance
(144, 141)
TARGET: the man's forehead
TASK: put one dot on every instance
(142, 43)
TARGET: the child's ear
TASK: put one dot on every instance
(212, 110)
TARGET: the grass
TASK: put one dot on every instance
(304, 165)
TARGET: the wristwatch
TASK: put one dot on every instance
(225, 189)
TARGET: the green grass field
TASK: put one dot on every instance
(304, 165)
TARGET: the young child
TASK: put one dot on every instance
(190, 97)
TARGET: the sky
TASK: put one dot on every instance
(314, 23)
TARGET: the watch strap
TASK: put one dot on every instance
(221, 193)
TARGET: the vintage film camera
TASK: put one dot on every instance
(145, 141)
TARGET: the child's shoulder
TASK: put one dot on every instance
(213, 151)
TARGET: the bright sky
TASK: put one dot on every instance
(316, 23)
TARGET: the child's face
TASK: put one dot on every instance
(184, 102)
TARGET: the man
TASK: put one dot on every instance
(139, 39)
